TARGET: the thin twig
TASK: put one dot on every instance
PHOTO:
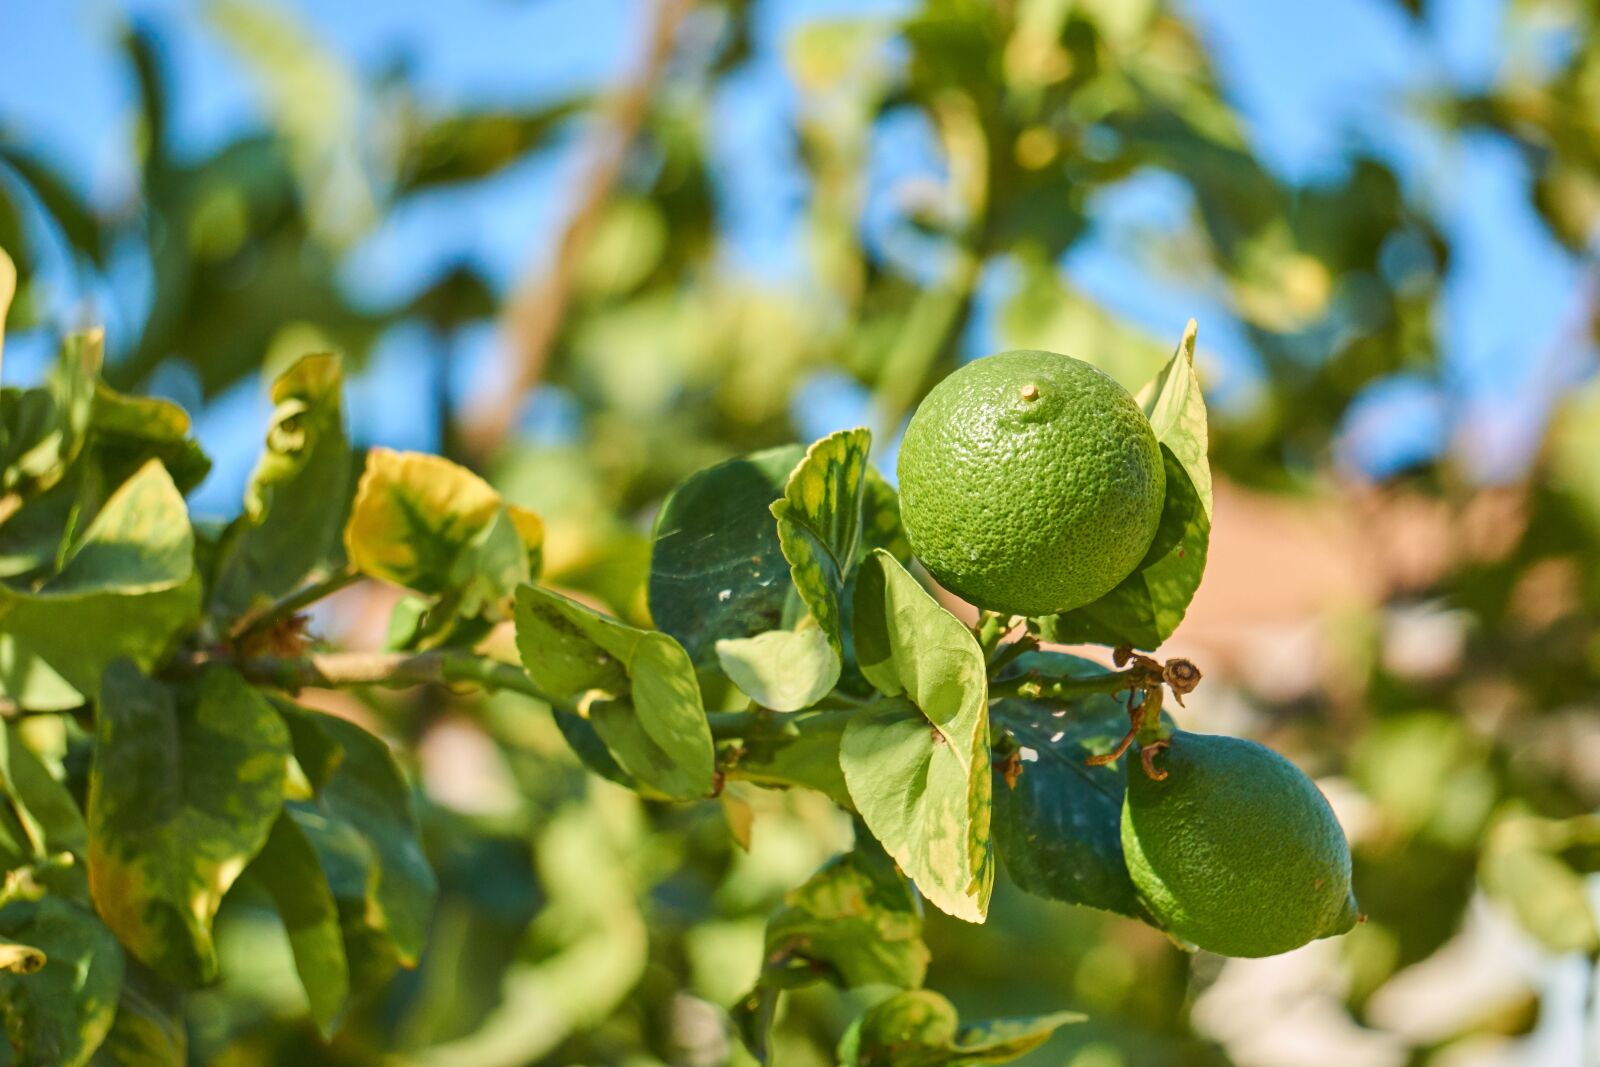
(1064, 688)
(291, 605)
(534, 315)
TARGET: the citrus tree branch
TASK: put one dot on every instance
(1066, 688)
(533, 317)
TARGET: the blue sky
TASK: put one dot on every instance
(1312, 80)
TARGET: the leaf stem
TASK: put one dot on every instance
(728, 725)
(291, 605)
(1003, 657)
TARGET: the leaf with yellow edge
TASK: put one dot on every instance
(430, 525)
(819, 524)
(184, 788)
(415, 516)
(8, 289)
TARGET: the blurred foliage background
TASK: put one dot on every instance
(589, 248)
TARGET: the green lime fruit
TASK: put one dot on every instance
(1236, 850)
(1030, 483)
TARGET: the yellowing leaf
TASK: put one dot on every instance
(414, 516)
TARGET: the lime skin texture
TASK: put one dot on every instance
(1236, 851)
(1030, 483)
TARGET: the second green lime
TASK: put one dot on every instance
(1030, 483)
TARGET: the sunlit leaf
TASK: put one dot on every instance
(920, 778)
(433, 526)
(1522, 866)
(128, 590)
(8, 289)
(416, 517)
(784, 670)
(819, 524)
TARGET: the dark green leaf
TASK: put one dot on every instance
(60, 1012)
(644, 698)
(1147, 606)
(126, 431)
(717, 570)
(149, 1027)
(1057, 829)
(364, 832)
(289, 869)
(184, 788)
(293, 506)
(468, 147)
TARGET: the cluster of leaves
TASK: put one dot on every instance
(1472, 775)
(166, 656)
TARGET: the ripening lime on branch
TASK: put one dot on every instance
(1235, 849)
(1031, 483)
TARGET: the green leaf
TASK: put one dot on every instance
(1058, 829)
(784, 670)
(363, 830)
(716, 569)
(923, 792)
(148, 1030)
(880, 519)
(45, 428)
(40, 818)
(128, 591)
(819, 524)
(127, 431)
(919, 1028)
(855, 922)
(293, 508)
(644, 698)
(925, 801)
(1147, 606)
(8, 290)
(184, 788)
(799, 749)
(1522, 867)
(289, 869)
(60, 1011)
